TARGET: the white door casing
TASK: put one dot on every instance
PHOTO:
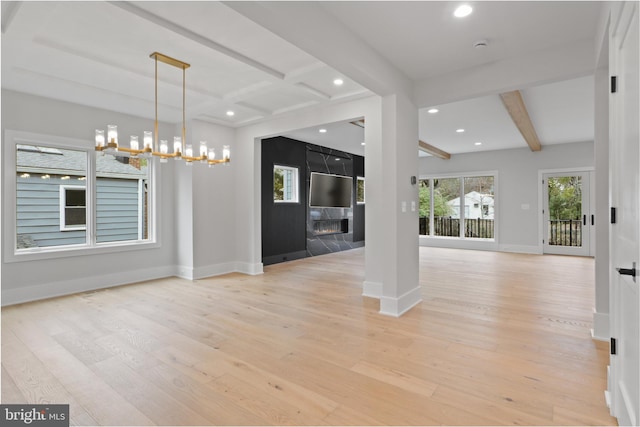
(624, 380)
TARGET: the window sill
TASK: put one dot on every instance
(36, 254)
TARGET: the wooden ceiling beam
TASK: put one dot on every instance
(434, 151)
(514, 104)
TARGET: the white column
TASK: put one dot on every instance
(391, 265)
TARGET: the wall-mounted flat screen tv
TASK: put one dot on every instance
(330, 191)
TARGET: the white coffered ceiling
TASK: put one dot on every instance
(97, 54)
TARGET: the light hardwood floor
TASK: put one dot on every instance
(499, 339)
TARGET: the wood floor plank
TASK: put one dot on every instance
(10, 391)
(396, 378)
(202, 399)
(498, 339)
(36, 383)
(267, 407)
(95, 396)
(154, 402)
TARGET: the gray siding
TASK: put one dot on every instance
(38, 212)
(117, 215)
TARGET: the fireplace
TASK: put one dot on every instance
(322, 227)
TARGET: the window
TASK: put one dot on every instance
(50, 201)
(447, 215)
(360, 190)
(122, 202)
(63, 196)
(285, 184)
(461, 207)
(73, 208)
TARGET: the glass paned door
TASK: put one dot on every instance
(567, 215)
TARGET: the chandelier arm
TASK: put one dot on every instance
(155, 133)
(184, 131)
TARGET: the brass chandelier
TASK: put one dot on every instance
(151, 147)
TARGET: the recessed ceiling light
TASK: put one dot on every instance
(477, 143)
(338, 82)
(322, 131)
(459, 130)
(462, 11)
(338, 159)
(432, 111)
(230, 113)
(362, 143)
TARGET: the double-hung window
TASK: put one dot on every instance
(61, 196)
(73, 207)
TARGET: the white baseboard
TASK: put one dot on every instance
(600, 329)
(396, 307)
(249, 268)
(84, 284)
(371, 289)
(521, 249)
(214, 270)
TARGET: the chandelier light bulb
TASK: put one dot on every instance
(112, 134)
(100, 138)
(203, 148)
(133, 142)
(226, 153)
(177, 144)
(147, 139)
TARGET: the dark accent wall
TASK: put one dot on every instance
(283, 224)
(291, 231)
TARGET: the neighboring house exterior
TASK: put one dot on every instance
(51, 197)
(476, 206)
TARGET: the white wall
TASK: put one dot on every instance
(213, 203)
(29, 280)
(518, 184)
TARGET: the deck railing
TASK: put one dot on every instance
(565, 232)
(450, 227)
(561, 232)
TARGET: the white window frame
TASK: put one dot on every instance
(364, 190)
(295, 184)
(465, 240)
(13, 138)
(63, 208)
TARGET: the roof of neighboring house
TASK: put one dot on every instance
(53, 160)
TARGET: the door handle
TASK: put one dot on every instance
(628, 271)
(593, 220)
(584, 220)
